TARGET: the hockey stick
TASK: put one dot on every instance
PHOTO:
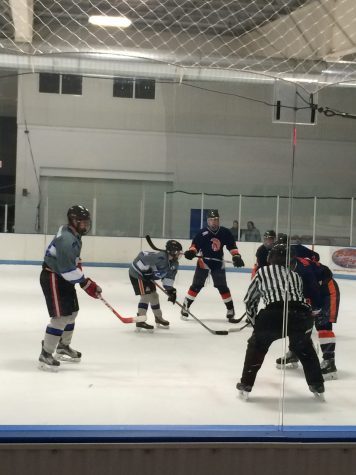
(153, 246)
(214, 332)
(238, 320)
(249, 322)
(239, 328)
(150, 243)
(123, 319)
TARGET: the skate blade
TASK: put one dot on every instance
(244, 395)
(47, 368)
(164, 327)
(287, 366)
(67, 359)
(146, 330)
(319, 397)
(329, 376)
(185, 318)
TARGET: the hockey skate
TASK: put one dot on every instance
(318, 391)
(144, 326)
(184, 312)
(289, 361)
(47, 362)
(66, 353)
(161, 323)
(244, 390)
(328, 369)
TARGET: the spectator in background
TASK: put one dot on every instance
(252, 234)
(235, 230)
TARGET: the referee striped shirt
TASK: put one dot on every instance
(272, 283)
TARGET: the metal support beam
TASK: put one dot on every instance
(22, 16)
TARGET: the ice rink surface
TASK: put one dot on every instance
(180, 376)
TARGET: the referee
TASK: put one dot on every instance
(275, 284)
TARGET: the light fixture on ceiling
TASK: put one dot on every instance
(105, 20)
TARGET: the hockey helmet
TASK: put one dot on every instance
(277, 255)
(282, 238)
(173, 248)
(269, 239)
(213, 213)
(79, 218)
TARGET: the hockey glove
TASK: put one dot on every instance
(91, 288)
(172, 295)
(148, 274)
(190, 254)
(237, 260)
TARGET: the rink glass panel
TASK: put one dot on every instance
(302, 210)
(333, 218)
(58, 195)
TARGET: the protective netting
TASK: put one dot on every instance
(302, 40)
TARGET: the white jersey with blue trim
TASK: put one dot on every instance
(63, 255)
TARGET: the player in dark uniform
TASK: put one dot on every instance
(297, 248)
(144, 270)
(61, 270)
(322, 292)
(269, 239)
(209, 244)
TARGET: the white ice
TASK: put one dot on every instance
(183, 375)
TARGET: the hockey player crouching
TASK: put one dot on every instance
(61, 270)
(144, 270)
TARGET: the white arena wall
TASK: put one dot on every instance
(97, 250)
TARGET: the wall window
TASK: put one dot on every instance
(145, 88)
(60, 83)
(123, 87)
(72, 84)
(49, 83)
(134, 88)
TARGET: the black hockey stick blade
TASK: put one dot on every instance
(238, 320)
(150, 243)
(231, 330)
(214, 332)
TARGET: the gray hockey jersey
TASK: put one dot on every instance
(161, 266)
(63, 255)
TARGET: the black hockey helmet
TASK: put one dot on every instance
(269, 239)
(282, 238)
(270, 234)
(277, 255)
(79, 218)
(213, 213)
(173, 248)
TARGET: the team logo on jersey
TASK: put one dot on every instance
(215, 244)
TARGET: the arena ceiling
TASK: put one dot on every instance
(274, 37)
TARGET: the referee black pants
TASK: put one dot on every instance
(269, 327)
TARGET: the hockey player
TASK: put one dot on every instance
(269, 239)
(297, 248)
(273, 283)
(209, 242)
(61, 270)
(330, 296)
(322, 291)
(144, 270)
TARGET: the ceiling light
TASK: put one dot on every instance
(103, 20)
